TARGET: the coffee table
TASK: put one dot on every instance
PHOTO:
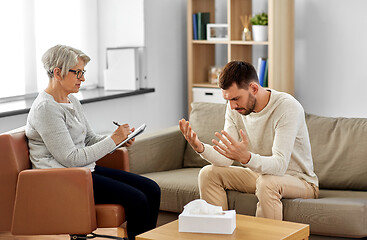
(249, 228)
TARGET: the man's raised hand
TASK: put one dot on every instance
(191, 136)
(231, 148)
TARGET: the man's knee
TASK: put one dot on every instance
(265, 185)
(207, 174)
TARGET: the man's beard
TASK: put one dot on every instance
(250, 105)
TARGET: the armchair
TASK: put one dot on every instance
(51, 201)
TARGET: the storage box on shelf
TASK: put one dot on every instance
(213, 95)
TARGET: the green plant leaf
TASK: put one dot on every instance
(260, 19)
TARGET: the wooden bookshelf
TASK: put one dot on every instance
(205, 85)
(280, 44)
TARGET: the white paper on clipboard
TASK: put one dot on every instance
(132, 135)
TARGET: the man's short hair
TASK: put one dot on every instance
(241, 73)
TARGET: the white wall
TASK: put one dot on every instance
(9, 123)
(121, 24)
(165, 39)
(330, 57)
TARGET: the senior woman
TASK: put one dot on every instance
(60, 137)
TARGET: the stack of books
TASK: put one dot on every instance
(262, 71)
(199, 22)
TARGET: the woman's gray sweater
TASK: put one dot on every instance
(59, 135)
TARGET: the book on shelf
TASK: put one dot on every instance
(262, 71)
(195, 26)
(203, 18)
(266, 74)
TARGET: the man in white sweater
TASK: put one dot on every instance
(266, 132)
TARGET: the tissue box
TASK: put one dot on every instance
(218, 224)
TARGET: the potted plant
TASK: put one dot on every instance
(260, 27)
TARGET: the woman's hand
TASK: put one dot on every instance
(129, 143)
(120, 134)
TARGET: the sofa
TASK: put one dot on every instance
(339, 150)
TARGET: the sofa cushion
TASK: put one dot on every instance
(339, 151)
(205, 119)
(178, 187)
(334, 213)
(166, 147)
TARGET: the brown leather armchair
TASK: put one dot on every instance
(51, 201)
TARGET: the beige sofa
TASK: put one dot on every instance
(339, 149)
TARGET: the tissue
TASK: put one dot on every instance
(199, 216)
(200, 206)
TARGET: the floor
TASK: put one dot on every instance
(104, 231)
(163, 218)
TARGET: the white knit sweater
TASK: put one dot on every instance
(278, 139)
(59, 136)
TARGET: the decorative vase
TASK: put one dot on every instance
(260, 33)
(246, 34)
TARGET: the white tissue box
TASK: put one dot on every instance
(213, 223)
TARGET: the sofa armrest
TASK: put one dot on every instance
(159, 151)
(54, 201)
(119, 159)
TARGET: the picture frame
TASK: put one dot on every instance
(213, 74)
(217, 32)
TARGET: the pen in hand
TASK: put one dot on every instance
(117, 124)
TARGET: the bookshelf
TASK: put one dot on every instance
(280, 44)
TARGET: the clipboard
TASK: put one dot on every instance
(132, 135)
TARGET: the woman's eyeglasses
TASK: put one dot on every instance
(79, 73)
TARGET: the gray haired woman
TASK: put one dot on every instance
(60, 137)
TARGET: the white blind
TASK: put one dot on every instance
(12, 55)
(30, 27)
(67, 22)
